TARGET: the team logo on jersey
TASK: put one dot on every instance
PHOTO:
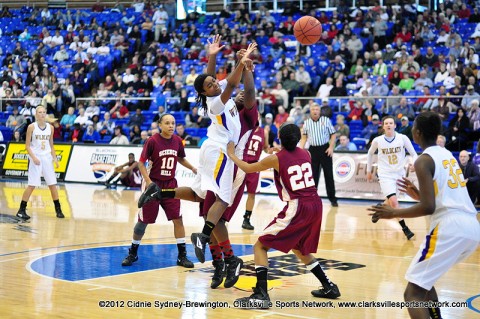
(102, 163)
(344, 169)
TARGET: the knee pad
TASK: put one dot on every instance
(139, 228)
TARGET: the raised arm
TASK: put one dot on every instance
(249, 86)
(213, 48)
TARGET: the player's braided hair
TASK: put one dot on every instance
(289, 136)
(201, 100)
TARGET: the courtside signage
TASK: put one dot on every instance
(15, 163)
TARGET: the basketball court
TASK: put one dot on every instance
(71, 268)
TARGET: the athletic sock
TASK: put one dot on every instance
(317, 270)
(216, 252)
(56, 202)
(134, 248)
(182, 249)
(435, 313)
(23, 204)
(247, 215)
(226, 248)
(402, 223)
(208, 228)
(262, 275)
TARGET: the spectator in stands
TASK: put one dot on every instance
(106, 127)
(82, 118)
(304, 80)
(457, 131)
(136, 119)
(345, 144)
(340, 127)
(16, 121)
(355, 46)
(474, 115)
(405, 128)
(24, 36)
(92, 109)
(49, 101)
(422, 81)
(469, 97)
(98, 7)
(281, 117)
(403, 110)
(356, 110)
(180, 132)
(324, 90)
(406, 84)
(338, 89)
(61, 55)
(380, 88)
(119, 138)
(76, 134)
(441, 140)
(380, 69)
(371, 127)
(91, 134)
(119, 110)
(471, 175)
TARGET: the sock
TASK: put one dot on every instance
(182, 249)
(402, 223)
(134, 248)
(216, 252)
(247, 215)
(207, 228)
(56, 202)
(435, 313)
(226, 248)
(168, 193)
(317, 270)
(262, 275)
(23, 205)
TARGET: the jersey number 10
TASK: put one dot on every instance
(301, 176)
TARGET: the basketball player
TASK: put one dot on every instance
(226, 264)
(391, 161)
(163, 150)
(297, 226)
(454, 229)
(41, 156)
(128, 174)
(254, 150)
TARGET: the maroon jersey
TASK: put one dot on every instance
(254, 146)
(294, 177)
(163, 154)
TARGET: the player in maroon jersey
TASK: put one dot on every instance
(254, 149)
(297, 226)
(163, 151)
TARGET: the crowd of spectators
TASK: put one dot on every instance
(421, 60)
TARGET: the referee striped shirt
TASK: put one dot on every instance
(318, 132)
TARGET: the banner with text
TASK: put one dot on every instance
(15, 161)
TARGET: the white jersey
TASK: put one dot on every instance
(391, 154)
(225, 126)
(451, 195)
(40, 143)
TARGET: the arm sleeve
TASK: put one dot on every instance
(371, 151)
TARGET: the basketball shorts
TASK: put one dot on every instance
(237, 193)
(252, 182)
(297, 226)
(215, 172)
(149, 212)
(452, 240)
(388, 183)
(45, 169)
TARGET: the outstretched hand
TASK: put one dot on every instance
(230, 149)
(381, 212)
(214, 47)
(249, 66)
(406, 186)
(251, 47)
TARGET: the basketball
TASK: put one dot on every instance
(307, 30)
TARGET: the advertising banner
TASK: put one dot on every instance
(92, 163)
(15, 161)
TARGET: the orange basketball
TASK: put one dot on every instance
(307, 30)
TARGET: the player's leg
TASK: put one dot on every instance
(416, 293)
(434, 311)
(233, 264)
(393, 202)
(51, 180)
(146, 215)
(34, 180)
(179, 233)
(22, 211)
(259, 298)
(217, 262)
(329, 289)
(248, 212)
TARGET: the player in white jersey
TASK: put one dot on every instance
(41, 156)
(442, 193)
(391, 163)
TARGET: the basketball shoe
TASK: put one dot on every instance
(199, 241)
(233, 265)
(331, 292)
(184, 262)
(59, 213)
(408, 233)
(130, 259)
(22, 214)
(258, 300)
(218, 274)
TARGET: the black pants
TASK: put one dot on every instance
(320, 160)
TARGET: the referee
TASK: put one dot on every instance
(319, 132)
